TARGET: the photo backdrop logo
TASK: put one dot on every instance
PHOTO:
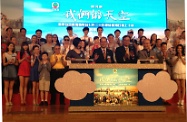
(55, 6)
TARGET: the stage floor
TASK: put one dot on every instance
(57, 113)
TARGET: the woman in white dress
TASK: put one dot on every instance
(179, 72)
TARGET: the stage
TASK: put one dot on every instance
(85, 111)
(58, 113)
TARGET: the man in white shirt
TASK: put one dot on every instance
(70, 33)
(100, 32)
(140, 34)
(167, 38)
(88, 39)
(117, 37)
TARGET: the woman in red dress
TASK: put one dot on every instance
(24, 59)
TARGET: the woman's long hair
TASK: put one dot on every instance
(85, 44)
(141, 43)
(22, 51)
(10, 44)
(180, 45)
(151, 40)
(57, 41)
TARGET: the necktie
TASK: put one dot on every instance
(104, 53)
(127, 50)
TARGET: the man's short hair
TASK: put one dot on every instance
(99, 28)
(140, 30)
(23, 29)
(110, 35)
(126, 36)
(85, 29)
(163, 43)
(38, 30)
(166, 30)
(117, 31)
(103, 38)
(96, 37)
(69, 28)
(43, 53)
(158, 40)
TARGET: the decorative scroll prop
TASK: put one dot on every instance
(153, 87)
(74, 85)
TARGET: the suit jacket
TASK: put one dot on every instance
(161, 58)
(120, 52)
(101, 57)
(144, 55)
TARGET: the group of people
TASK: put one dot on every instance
(43, 61)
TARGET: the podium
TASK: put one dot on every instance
(142, 69)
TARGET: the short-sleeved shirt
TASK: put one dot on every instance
(58, 64)
(48, 48)
(73, 54)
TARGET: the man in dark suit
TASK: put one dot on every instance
(162, 55)
(126, 53)
(102, 54)
(147, 53)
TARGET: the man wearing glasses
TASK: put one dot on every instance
(66, 45)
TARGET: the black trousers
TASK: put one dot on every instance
(55, 74)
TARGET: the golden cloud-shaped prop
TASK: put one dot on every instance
(74, 85)
(153, 87)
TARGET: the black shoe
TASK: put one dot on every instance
(166, 103)
(46, 103)
(42, 103)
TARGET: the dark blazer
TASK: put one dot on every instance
(120, 52)
(144, 55)
(161, 58)
(101, 57)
